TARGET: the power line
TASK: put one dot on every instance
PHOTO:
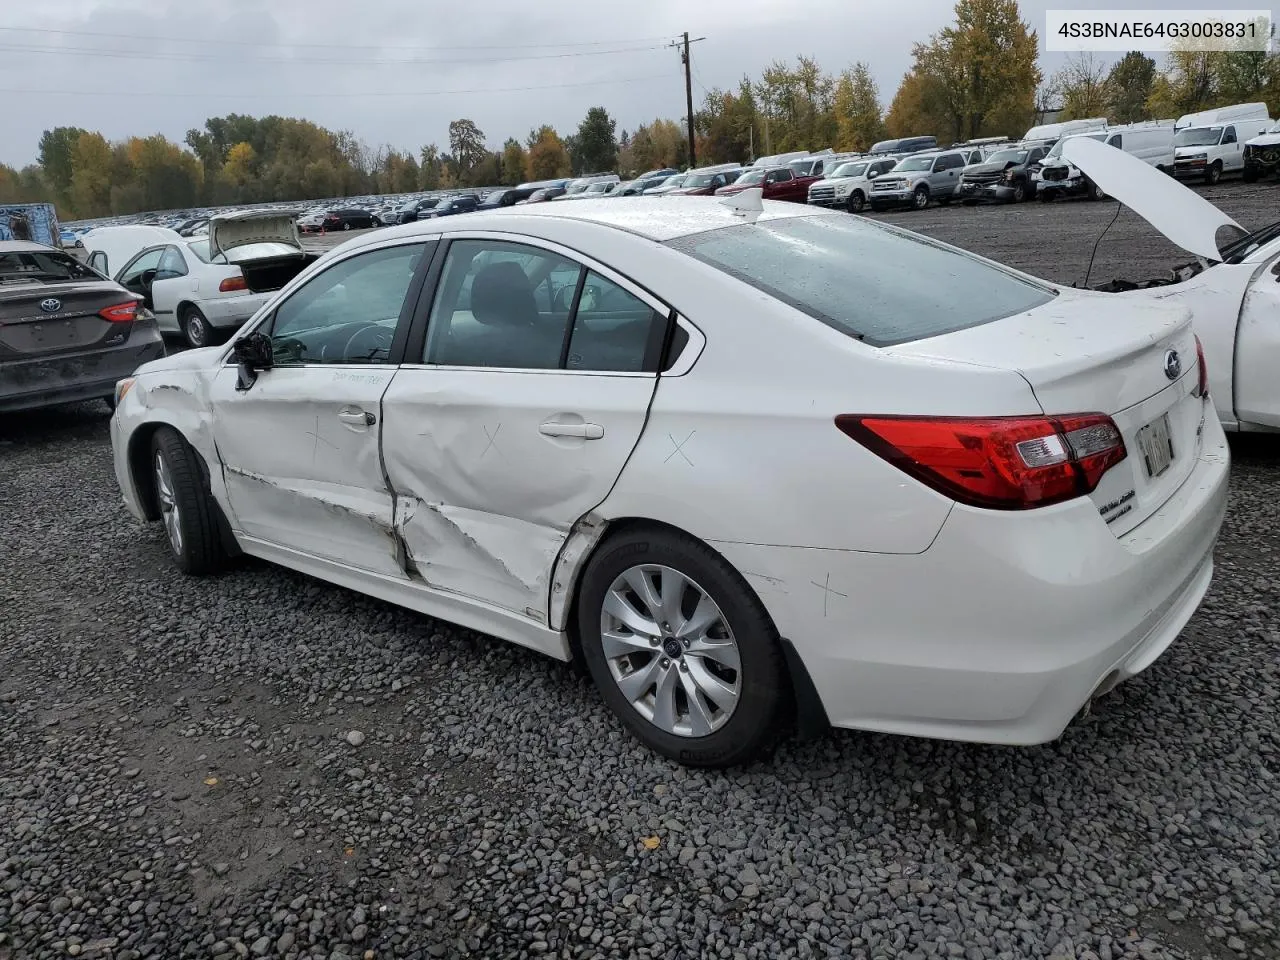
(204, 41)
(214, 94)
(345, 61)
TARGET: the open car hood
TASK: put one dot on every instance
(230, 230)
(1182, 215)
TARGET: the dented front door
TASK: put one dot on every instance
(1257, 352)
(299, 454)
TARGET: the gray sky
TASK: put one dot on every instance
(172, 63)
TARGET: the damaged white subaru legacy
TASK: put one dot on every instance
(748, 461)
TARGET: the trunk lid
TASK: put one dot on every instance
(231, 230)
(42, 319)
(1090, 353)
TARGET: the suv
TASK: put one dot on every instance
(449, 206)
(849, 183)
(918, 179)
(1005, 176)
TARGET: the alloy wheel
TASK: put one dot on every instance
(169, 511)
(670, 650)
(921, 198)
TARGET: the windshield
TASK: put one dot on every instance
(863, 278)
(600, 187)
(800, 167)
(1241, 247)
(675, 181)
(1008, 156)
(848, 170)
(42, 265)
(494, 196)
(750, 178)
(914, 163)
(1057, 147)
(1198, 137)
(700, 179)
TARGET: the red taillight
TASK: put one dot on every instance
(1203, 388)
(1002, 463)
(231, 284)
(120, 313)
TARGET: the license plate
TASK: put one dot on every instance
(1156, 446)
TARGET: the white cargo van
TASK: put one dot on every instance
(1150, 142)
(1211, 143)
(1049, 133)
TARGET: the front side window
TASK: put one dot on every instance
(778, 176)
(171, 265)
(144, 262)
(515, 306)
(867, 280)
(347, 313)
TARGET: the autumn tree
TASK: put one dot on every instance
(725, 126)
(597, 151)
(90, 191)
(859, 123)
(1084, 87)
(514, 162)
(429, 167)
(548, 158)
(1129, 86)
(1186, 85)
(466, 144)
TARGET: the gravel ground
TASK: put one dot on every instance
(263, 765)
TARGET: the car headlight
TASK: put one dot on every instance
(123, 387)
(1197, 156)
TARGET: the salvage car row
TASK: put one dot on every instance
(552, 442)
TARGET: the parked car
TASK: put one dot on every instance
(1051, 133)
(1006, 442)
(68, 238)
(1211, 143)
(509, 197)
(904, 145)
(592, 182)
(415, 210)
(779, 159)
(666, 185)
(592, 191)
(542, 195)
(312, 222)
(349, 218)
(1004, 177)
(699, 183)
(1262, 154)
(193, 227)
(67, 334)
(203, 287)
(450, 206)
(816, 165)
(849, 184)
(1232, 290)
(917, 180)
(654, 174)
(777, 183)
(1152, 143)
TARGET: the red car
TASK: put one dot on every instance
(778, 183)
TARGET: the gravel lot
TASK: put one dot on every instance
(263, 765)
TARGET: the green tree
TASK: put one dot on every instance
(466, 144)
(1186, 85)
(859, 123)
(726, 125)
(596, 145)
(429, 168)
(90, 192)
(1129, 85)
(56, 147)
(548, 157)
(1085, 89)
(514, 162)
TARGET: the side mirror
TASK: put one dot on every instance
(253, 353)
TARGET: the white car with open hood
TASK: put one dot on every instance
(960, 508)
(1232, 289)
(203, 286)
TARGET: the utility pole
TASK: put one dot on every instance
(688, 90)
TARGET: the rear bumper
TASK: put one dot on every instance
(1007, 624)
(231, 312)
(48, 381)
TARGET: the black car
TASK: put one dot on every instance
(1004, 176)
(414, 209)
(505, 198)
(67, 333)
(349, 219)
(449, 206)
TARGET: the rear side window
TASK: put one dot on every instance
(871, 282)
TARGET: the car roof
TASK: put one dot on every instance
(659, 218)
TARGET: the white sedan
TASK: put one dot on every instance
(738, 457)
(1233, 290)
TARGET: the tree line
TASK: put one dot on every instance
(979, 76)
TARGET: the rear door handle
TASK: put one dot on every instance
(587, 431)
(357, 418)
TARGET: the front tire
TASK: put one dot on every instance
(681, 649)
(856, 201)
(1250, 174)
(196, 330)
(1019, 191)
(1096, 192)
(346, 225)
(1213, 174)
(186, 507)
(920, 199)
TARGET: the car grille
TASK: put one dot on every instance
(1269, 154)
(822, 193)
(981, 178)
(1054, 173)
(886, 185)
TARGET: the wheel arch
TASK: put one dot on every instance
(586, 540)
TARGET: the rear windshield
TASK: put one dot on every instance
(49, 265)
(869, 281)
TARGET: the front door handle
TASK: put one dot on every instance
(357, 418)
(586, 431)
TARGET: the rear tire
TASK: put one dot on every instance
(196, 330)
(186, 507)
(716, 701)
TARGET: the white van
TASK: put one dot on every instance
(1048, 133)
(1151, 142)
(1211, 143)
